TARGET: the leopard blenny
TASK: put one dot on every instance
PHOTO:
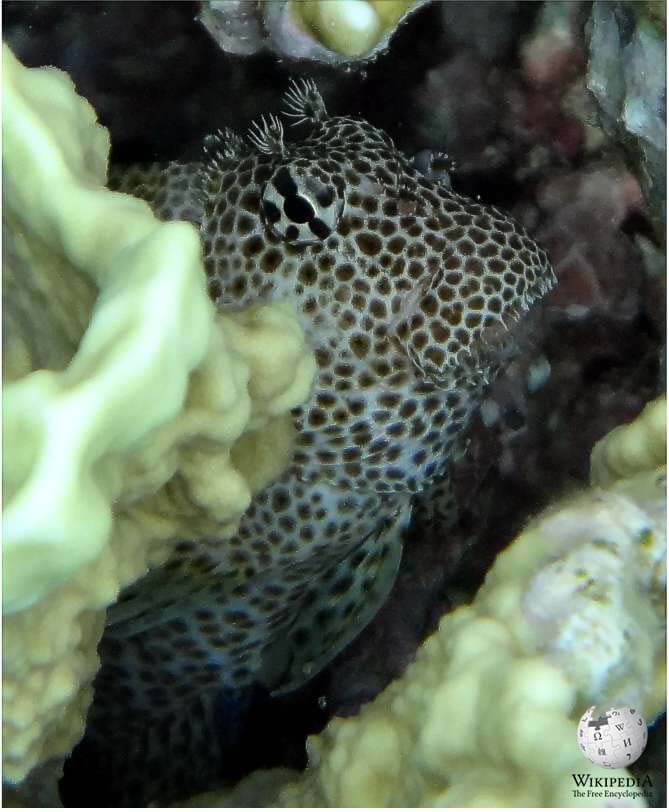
(405, 291)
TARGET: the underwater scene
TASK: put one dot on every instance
(334, 412)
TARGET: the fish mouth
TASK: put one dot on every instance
(454, 360)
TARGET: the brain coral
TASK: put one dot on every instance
(130, 409)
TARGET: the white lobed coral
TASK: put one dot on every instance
(133, 415)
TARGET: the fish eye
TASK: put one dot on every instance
(300, 209)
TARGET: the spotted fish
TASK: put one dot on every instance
(405, 291)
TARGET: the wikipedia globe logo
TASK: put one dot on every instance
(612, 739)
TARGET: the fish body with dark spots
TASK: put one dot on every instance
(406, 292)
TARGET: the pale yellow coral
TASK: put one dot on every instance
(633, 447)
(133, 415)
(570, 615)
(352, 28)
